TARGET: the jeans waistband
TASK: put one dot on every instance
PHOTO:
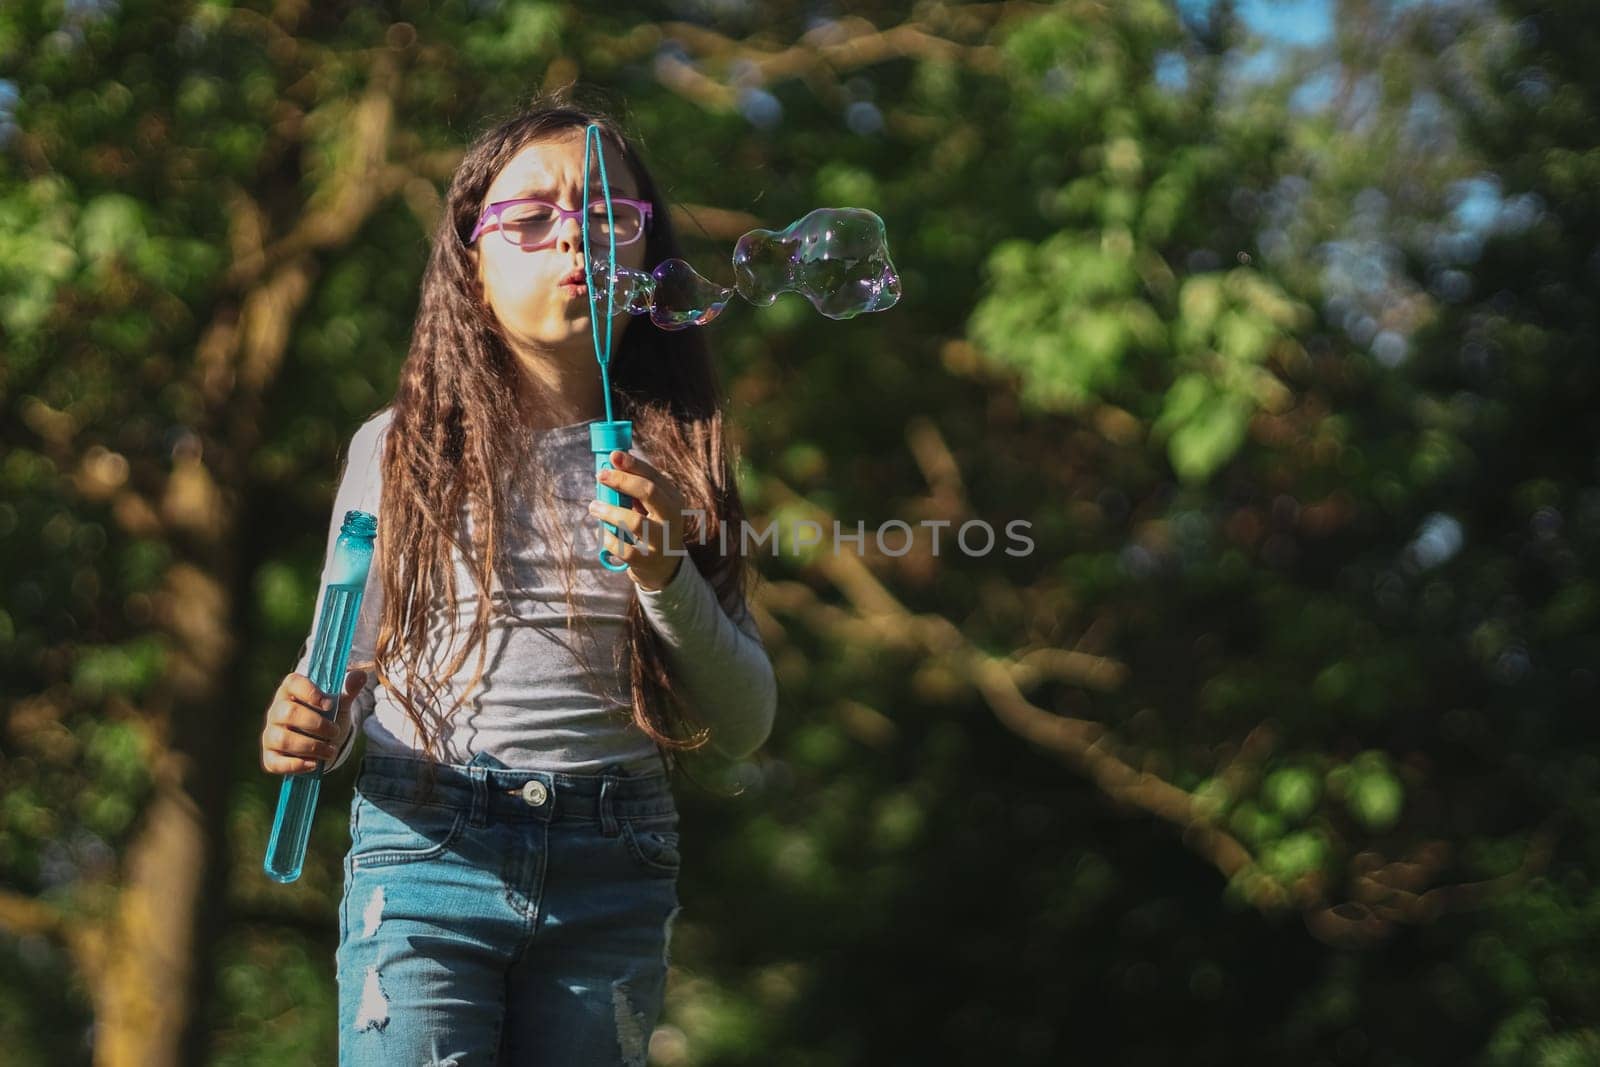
(506, 793)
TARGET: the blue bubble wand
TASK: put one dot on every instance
(330, 655)
(612, 434)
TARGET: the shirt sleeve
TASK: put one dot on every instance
(360, 489)
(719, 655)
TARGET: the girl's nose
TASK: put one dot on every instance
(569, 234)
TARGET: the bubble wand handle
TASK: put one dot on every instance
(330, 653)
(612, 433)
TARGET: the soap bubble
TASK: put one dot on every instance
(632, 291)
(837, 258)
(683, 298)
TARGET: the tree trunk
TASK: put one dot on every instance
(142, 1000)
(154, 985)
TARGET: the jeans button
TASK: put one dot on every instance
(535, 793)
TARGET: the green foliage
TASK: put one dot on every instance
(36, 252)
(1371, 791)
(126, 669)
(284, 599)
(1293, 791)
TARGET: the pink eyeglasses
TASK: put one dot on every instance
(531, 224)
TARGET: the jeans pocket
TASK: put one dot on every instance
(389, 830)
(653, 843)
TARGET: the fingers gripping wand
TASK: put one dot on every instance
(612, 433)
(330, 653)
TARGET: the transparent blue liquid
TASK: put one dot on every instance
(297, 800)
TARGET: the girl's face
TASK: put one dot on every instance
(524, 288)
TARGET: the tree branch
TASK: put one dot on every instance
(364, 179)
(1384, 903)
(23, 915)
(821, 56)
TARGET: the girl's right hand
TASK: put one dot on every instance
(298, 736)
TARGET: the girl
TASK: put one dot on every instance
(512, 876)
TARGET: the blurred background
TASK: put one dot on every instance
(1277, 321)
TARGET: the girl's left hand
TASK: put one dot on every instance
(655, 521)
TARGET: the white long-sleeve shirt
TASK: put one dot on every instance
(534, 707)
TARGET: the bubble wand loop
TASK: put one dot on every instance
(612, 433)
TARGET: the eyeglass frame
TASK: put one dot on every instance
(562, 215)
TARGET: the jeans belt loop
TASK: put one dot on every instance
(608, 814)
(480, 795)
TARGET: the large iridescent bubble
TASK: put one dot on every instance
(837, 258)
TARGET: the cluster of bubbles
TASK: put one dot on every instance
(837, 258)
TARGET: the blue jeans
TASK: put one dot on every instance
(507, 917)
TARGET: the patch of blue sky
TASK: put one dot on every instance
(760, 108)
(1477, 203)
(1315, 92)
(1479, 207)
(9, 96)
(1172, 72)
(89, 8)
(1280, 28)
(864, 118)
(1439, 537)
(1296, 23)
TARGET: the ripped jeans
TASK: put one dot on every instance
(510, 917)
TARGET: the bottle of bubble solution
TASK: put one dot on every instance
(336, 627)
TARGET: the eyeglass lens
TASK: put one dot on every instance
(531, 225)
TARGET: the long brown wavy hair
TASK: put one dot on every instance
(456, 431)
